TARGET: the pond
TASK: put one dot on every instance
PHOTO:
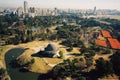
(15, 73)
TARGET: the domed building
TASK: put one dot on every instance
(52, 50)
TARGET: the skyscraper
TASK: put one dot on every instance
(55, 11)
(94, 11)
(25, 7)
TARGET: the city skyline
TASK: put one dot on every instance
(64, 4)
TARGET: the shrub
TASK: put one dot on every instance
(2, 71)
(32, 61)
(61, 54)
(70, 49)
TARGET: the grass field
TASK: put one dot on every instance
(43, 64)
(39, 66)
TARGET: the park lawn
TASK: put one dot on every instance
(3, 51)
(53, 60)
(102, 38)
(25, 57)
(104, 56)
(35, 44)
(75, 51)
(39, 66)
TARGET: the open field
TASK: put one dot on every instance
(41, 65)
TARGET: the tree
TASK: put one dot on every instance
(115, 59)
(16, 40)
(61, 54)
(2, 71)
(103, 68)
(0, 23)
(70, 49)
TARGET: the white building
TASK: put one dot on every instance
(20, 11)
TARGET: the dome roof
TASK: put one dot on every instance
(51, 47)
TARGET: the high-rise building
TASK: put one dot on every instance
(32, 12)
(1, 9)
(20, 11)
(56, 11)
(94, 11)
(25, 7)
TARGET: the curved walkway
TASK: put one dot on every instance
(47, 63)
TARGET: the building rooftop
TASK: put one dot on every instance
(106, 33)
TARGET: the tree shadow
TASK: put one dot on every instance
(41, 54)
(48, 76)
(23, 70)
(75, 54)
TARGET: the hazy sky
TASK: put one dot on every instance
(75, 4)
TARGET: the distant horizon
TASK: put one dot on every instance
(61, 8)
(63, 4)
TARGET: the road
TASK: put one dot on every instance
(13, 25)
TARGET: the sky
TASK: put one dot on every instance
(64, 4)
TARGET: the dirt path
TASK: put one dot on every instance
(47, 63)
